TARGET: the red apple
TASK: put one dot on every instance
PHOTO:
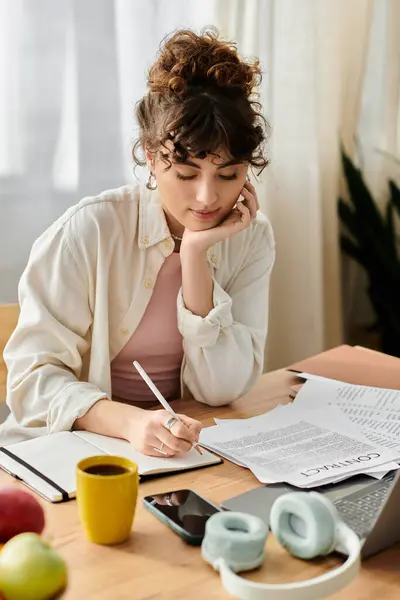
(19, 512)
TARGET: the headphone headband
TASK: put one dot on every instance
(235, 542)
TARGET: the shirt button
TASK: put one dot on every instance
(213, 259)
(148, 283)
(145, 241)
(167, 244)
(124, 331)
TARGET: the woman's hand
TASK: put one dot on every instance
(238, 219)
(148, 434)
(144, 429)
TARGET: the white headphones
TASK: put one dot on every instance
(305, 523)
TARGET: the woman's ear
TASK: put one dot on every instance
(150, 160)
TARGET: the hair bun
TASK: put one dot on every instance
(189, 61)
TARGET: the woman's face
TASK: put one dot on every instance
(199, 193)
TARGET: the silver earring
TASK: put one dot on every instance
(151, 183)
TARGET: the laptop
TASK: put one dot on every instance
(368, 506)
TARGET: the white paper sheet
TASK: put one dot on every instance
(310, 376)
(365, 407)
(386, 402)
(301, 447)
(376, 438)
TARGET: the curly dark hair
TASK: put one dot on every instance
(201, 97)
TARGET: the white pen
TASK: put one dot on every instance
(159, 395)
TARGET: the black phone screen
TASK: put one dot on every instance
(185, 508)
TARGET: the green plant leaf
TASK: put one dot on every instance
(367, 225)
(376, 253)
(350, 248)
(394, 195)
(361, 197)
(391, 237)
(348, 217)
(370, 239)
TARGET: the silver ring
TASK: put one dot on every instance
(170, 423)
(168, 500)
(160, 449)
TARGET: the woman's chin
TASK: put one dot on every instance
(198, 227)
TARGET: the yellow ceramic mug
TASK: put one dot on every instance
(107, 488)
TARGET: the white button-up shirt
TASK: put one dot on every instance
(85, 289)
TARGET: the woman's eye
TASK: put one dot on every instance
(190, 177)
(185, 177)
(229, 177)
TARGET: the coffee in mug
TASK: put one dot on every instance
(106, 470)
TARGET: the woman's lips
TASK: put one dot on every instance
(204, 215)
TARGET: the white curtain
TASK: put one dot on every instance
(70, 75)
(71, 72)
(331, 75)
(378, 142)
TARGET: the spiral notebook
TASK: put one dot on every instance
(47, 464)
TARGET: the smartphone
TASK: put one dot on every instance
(184, 511)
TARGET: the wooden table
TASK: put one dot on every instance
(157, 564)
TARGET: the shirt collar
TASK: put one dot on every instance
(153, 227)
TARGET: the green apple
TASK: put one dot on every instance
(30, 569)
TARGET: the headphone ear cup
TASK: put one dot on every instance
(236, 538)
(304, 523)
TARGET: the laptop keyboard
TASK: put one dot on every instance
(360, 511)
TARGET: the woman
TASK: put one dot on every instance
(173, 274)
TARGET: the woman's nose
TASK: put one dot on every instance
(206, 194)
